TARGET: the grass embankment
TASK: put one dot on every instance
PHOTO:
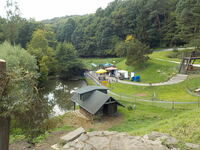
(145, 119)
(171, 55)
(153, 71)
(176, 92)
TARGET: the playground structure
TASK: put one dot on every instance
(188, 62)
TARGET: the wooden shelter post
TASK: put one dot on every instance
(4, 121)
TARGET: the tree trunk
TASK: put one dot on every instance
(4, 121)
(4, 133)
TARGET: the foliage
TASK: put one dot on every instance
(68, 61)
(196, 43)
(188, 19)
(136, 52)
(17, 58)
(151, 22)
(13, 20)
(26, 29)
(15, 91)
(39, 47)
(19, 96)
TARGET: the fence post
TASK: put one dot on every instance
(173, 104)
(4, 121)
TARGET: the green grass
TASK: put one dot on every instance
(90, 81)
(176, 92)
(87, 61)
(143, 116)
(164, 55)
(183, 125)
(154, 71)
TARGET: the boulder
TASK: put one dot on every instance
(192, 146)
(73, 135)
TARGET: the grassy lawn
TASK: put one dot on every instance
(154, 71)
(183, 125)
(176, 92)
(164, 55)
(143, 116)
(87, 61)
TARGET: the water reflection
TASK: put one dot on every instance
(58, 93)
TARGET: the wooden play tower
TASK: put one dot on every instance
(187, 62)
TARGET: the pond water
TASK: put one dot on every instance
(58, 94)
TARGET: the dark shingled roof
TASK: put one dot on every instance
(86, 89)
(94, 102)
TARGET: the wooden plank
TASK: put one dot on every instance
(2, 66)
(4, 121)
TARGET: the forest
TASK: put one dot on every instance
(157, 23)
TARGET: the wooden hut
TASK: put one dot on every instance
(93, 100)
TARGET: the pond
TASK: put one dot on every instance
(58, 94)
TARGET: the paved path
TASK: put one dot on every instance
(139, 98)
(171, 49)
(174, 80)
(196, 65)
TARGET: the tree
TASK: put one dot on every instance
(188, 19)
(13, 21)
(17, 86)
(26, 30)
(69, 64)
(136, 53)
(39, 47)
(2, 36)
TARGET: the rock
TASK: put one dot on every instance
(155, 135)
(192, 146)
(166, 139)
(83, 137)
(73, 135)
(105, 140)
(56, 146)
(98, 142)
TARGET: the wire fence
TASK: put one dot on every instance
(167, 103)
(170, 104)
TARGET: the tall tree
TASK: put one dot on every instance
(134, 51)
(188, 19)
(13, 21)
(39, 47)
(69, 64)
(17, 86)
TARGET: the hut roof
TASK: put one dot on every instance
(94, 102)
(86, 89)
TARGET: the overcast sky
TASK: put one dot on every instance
(46, 9)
